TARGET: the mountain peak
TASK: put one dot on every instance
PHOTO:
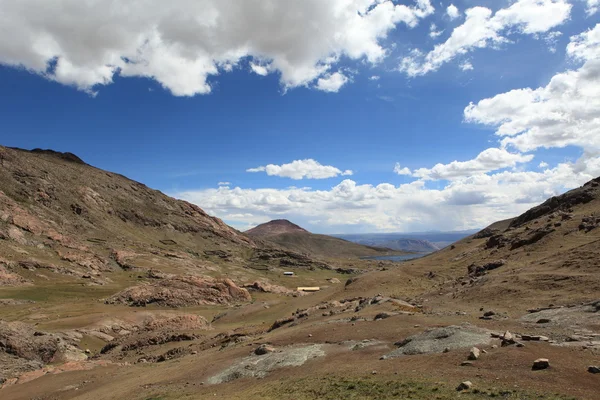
(276, 227)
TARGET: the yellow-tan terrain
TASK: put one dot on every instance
(112, 290)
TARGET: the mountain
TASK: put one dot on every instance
(275, 227)
(85, 225)
(400, 244)
(422, 242)
(292, 237)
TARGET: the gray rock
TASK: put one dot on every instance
(439, 339)
(474, 354)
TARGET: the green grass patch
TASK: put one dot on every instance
(332, 388)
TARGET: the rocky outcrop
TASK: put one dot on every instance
(22, 349)
(182, 291)
(8, 278)
(265, 287)
(439, 339)
(532, 238)
(564, 202)
(478, 270)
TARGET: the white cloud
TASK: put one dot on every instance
(259, 69)
(481, 29)
(563, 113)
(466, 66)
(332, 83)
(593, 6)
(398, 169)
(224, 183)
(488, 160)
(181, 43)
(465, 203)
(374, 78)
(490, 187)
(302, 169)
(433, 32)
(551, 40)
(452, 11)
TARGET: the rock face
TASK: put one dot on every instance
(182, 291)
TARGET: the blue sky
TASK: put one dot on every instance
(189, 110)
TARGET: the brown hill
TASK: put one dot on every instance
(275, 227)
(548, 255)
(294, 238)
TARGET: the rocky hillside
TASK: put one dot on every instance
(63, 219)
(294, 238)
(547, 255)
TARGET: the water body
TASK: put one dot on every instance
(400, 258)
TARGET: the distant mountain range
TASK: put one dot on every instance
(422, 242)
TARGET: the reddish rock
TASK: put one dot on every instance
(182, 291)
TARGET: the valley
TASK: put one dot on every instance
(110, 289)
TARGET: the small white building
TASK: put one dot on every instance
(288, 273)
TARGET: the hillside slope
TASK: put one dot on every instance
(292, 237)
(548, 255)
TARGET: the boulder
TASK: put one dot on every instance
(264, 349)
(594, 369)
(474, 353)
(466, 385)
(540, 363)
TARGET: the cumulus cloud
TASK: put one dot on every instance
(466, 66)
(181, 43)
(398, 169)
(259, 69)
(488, 160)
(470, 194)
(482, 28)
(465, 203)
(332, 83)
(566, 112)
(302, 169)
(433, 31)
(224, 183)
(593, 6)
(452, 11)
(374, 78)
